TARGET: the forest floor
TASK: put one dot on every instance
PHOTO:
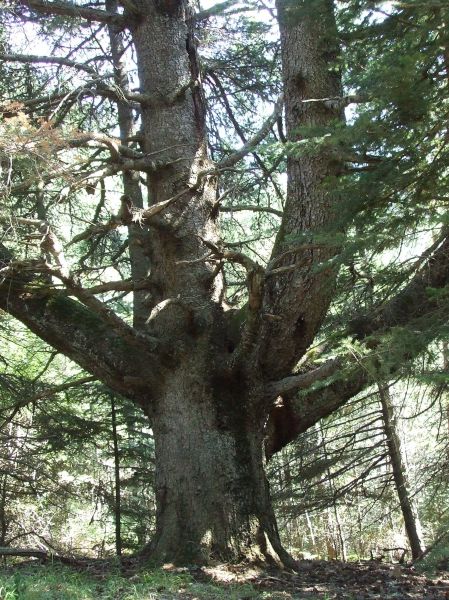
(315, 580)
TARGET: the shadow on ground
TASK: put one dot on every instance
(314, 580)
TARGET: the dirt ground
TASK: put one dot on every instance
(333, 580)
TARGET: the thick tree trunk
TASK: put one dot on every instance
(212, 493)
(213, 499)
(300, 293)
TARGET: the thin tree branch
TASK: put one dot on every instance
(48, 60)
(221, 9)
(249, 207)
(247, 148)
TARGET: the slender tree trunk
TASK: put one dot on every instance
(117, 489)
(137, 232)
(3, 518)
(409, 513)
(445, 350)
(338, 524)
(311, 532)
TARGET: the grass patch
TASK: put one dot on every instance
(55, 582)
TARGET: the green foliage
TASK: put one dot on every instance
(57, 480)
(437, 559)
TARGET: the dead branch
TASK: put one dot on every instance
(249, 207)
(255, 140)
(49, 243)
(32, 552)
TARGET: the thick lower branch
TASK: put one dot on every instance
(80, 334)
(411, 307)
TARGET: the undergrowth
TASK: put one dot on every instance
(55, 582)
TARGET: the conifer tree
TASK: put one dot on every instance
(219, 383)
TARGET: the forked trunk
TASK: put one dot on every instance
(213, 499)
(212, 494)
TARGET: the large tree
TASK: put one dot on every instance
(218, 384)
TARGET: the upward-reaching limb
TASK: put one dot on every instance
(299, 293)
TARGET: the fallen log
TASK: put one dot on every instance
(7, 551)
(43, 555)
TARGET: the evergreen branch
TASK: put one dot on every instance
(66, 9)
(260, 135)
(80, 180)
(77, 331)
(86, 297)
(95, 87)
(241, 134)
(221, 9)
(410, 307)
(51, 247)
(51, 391)
(146, 164)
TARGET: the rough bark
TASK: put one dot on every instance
(82, 335)
(174, 133)
(212, 494)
